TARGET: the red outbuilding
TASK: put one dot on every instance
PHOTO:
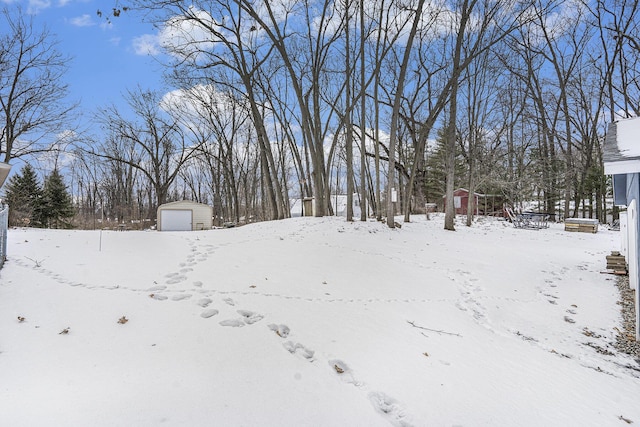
(461, 201)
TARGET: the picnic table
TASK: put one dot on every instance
(530, 220)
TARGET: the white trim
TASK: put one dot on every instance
(622, 167)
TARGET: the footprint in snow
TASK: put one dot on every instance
(389, 408)
(234, 323)
(281, 330)
(229, 301)
(180, 297)
(158, 297)
(197, 284)
(176, 279)
(204, 302)
(344, 372)
(157, 288)
(209, 313)
(250, 317)
(297, 348)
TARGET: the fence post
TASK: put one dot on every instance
(4, 227)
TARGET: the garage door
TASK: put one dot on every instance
(175, 220)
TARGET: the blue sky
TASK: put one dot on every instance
(107, 59)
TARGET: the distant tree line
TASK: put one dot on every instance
(279, 100)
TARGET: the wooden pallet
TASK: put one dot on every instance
(583, 225)
(616, 262)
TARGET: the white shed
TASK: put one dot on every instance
(184, 215)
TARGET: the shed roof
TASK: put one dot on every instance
(464, 190)
(621, 150)
(182, 203)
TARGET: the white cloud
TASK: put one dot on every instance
(196, 102)
(36, 6)
(185, 35)
(436, 20)
(146, 44)
(281, 10)
(33, 6)
(82, 21)
(63, 3)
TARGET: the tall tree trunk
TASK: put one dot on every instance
(450, 138)
(363, 122)
(396, 113)
(450, 160)
(348, 110)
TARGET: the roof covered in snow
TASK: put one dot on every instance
(622, 147)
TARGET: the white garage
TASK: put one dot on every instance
(184, 215)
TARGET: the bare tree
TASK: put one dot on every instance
(348, 113)
(32, 91)
(396, 112)
(156, 142)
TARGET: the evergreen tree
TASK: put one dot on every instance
(434, 182)
(57, 207)
(24, 195)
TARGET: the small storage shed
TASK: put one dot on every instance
(461, 200)
(184, 215)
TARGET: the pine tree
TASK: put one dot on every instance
(434, 184)
(57, 207)
(24, 195)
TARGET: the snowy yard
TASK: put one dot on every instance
(313, 322)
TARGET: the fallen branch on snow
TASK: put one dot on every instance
(433, 330)
(38, 263)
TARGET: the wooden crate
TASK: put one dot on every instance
(584, 225)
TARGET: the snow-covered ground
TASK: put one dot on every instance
(313, 322)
